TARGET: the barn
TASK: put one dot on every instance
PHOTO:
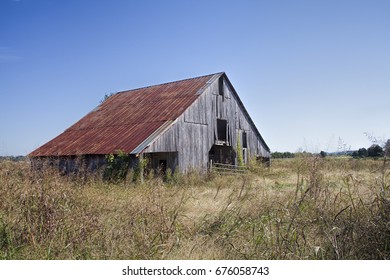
(182, 125)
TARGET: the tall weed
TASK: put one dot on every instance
(301, 208)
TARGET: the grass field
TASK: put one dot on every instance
(303, 208)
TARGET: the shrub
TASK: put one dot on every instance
(117, 166)
(375, 151)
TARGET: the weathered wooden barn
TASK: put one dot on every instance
(180, 125)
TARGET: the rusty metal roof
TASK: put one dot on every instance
(126, 119)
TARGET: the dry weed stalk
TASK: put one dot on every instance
(306, 208)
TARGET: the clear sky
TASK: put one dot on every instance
(309, 72)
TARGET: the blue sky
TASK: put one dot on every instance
(309, 72)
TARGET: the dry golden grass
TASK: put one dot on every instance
(304, 208)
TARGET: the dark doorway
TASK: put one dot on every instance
(222, 154)
(162, 164)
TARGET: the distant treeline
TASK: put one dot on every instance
(282, 155)
(298, 154)
(374, 151)
(12, 158)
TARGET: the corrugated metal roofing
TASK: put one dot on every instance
(126, 120)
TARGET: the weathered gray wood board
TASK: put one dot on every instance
(194, 133)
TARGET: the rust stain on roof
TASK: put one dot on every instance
(125, 120)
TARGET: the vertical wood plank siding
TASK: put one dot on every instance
(193, 134)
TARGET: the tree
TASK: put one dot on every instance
(387, 148)
(362, 152)
(323, 154)
(375, 151)
(106, 96)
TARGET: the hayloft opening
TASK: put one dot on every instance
(244, 140)
(222, 130)
(220, 86)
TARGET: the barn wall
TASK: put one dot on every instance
(194, 133)
(70, 164)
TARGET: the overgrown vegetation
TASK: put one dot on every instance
(300, 208)
(240, 156)
(117, 166)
